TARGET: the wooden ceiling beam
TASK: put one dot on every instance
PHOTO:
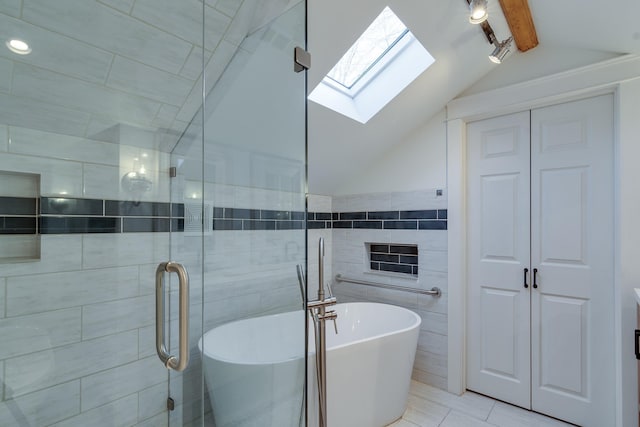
(520, 22)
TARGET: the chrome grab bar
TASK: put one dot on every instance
(435, 291)
(171, 362)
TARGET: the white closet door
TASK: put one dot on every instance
(572, 248)
(498, 309)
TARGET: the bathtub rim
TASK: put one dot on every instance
(416, 324)
(311, 348)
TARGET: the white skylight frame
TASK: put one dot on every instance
(382, 81)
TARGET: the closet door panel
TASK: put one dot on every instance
(562, 344)
(572, 248)
(498, 340)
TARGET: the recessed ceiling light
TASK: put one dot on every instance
(18, 46)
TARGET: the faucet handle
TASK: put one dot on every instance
(331, 314)
(330, 290)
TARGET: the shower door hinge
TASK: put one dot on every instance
(301, 59)
(173, 172)
(171, 405)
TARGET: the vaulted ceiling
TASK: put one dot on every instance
(102, 68)
(571, 33)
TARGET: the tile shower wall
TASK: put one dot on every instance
(75, 325)
(78, 325)
(348, 248)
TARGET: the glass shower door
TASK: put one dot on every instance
(94, 114)
(90, 113)
(240, 170)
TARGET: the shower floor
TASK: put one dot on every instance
(432, 407)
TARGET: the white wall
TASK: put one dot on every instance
(415, 163)
(539, 62)
(628, 233)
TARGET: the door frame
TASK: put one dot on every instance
(619, 77)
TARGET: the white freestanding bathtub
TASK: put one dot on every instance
(254, 368)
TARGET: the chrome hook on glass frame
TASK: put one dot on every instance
(171, 362)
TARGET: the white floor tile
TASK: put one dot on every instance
(432, 407)
(469, 403)
(403, 423)
(424, 413)
(457, 419)
(504, 415)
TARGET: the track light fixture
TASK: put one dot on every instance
(478, 11)
(501, 49)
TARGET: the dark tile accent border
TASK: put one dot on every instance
(342, 224)
(367, 224)
(18, 206)
(426, 219)
(177, 224)
(121, 208)
(116, 216)
(145, 225)
(71, 206)
(18, 225)
(352, 215)
(227, 224)
(384, 215)
(289, 225)
(401, 225)
(433, 225)
(258, 225)
(234, 213)
(18, 215)
(71, 215)
(79, 224)
(317, 225)
(424, 214)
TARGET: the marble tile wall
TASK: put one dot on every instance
(348, 248)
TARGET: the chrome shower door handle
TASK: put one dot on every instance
(171, 362)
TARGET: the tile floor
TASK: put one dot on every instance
(431, 407)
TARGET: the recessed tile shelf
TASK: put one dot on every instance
(393, 258)
(19, 217)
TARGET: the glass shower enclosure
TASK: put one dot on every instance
(134, 133)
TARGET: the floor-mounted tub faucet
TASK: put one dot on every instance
(319, 314)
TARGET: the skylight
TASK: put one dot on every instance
(373, 44)
(384, 60)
